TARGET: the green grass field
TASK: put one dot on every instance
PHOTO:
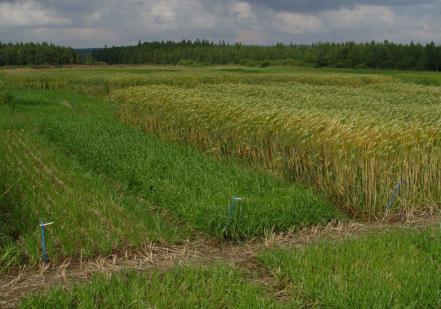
(396, 270)
(41, 184)
(121, 157)
(194, 186)
(182, 287)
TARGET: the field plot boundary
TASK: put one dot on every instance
(188, 183)
(350, 148)
(84, 207)
(400, 229)
(201, 252)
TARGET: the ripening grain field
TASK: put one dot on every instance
(353, 143)
(352, 137)
(124, 158)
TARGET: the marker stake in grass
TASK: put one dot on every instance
(231, 210)
(43, 242)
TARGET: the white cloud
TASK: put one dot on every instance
(28, 14)
(243, 10)
(296, 23)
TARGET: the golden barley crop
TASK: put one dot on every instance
(351, 140)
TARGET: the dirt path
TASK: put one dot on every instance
(201, 252)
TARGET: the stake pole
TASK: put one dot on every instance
(43, 245)
(394, 196)
(44, 257)
(231, 210)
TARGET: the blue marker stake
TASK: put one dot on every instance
(231, 211)
(394, 196)
(43, 242)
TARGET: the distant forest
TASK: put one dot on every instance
(384, 55)
(376, 55)
(36, 54)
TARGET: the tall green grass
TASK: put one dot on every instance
(397, 270)
(189, 287)
(37, 182)
(25, 109)
(195, 186)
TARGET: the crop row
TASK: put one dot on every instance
(195, 186)
(354, 146)
(104, 81)
(39, 184)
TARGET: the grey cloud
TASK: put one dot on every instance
(92, 23)
(322, 5)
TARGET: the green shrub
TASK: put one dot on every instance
(185, 62)
(265, 63)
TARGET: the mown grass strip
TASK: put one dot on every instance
(181, 287)
(397, 270)
(37, 182)
(195, 186)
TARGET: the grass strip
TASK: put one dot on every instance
(181, 287)
(37, 182)
(397, 270)
(197, 187)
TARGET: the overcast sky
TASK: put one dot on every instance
(93, 23)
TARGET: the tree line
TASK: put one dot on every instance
(384, 55)
(36, 54)
(198, 52)
(376, 55)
